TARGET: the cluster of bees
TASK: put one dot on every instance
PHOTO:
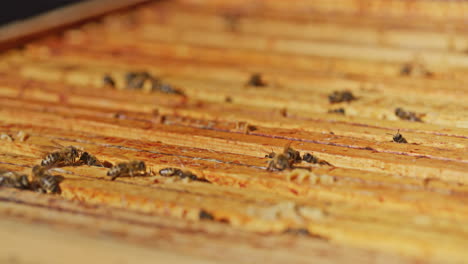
(347, 96)
(44, 182)
(143, 81)
(289, 157)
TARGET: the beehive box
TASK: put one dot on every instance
(373, 200)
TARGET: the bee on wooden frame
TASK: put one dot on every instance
(90, 160)
(66, 156)
(169, 172)
(407, 115)
(44, 182)
(107, 80)
(284, 160)
(398, 138)
(13, 179)
(340, 111)
(256, 80)
(313, 159)
(131, 169)
(341, 96)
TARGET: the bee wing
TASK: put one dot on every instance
(51, 146)
(180, 162)
(286, 147)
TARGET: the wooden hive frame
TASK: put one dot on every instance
(379, 201)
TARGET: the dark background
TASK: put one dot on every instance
(11, 10)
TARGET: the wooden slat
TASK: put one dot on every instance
(378, 202)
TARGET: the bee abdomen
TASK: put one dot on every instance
(309, 158)
(168, 172)
(50, 159)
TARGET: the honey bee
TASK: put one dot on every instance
(131, 168)
(140, 80)
(292, 154)
(398, 138)
(90, 160)
(228, 99)
(284, 160)
(49, 184)
(406, 115)
(340, 111)
(136, 80)
(165, 88)
(67, 156)
(14, 180)
(297, 231)
(43, 182)
(313, 159)
(415, 70)
(279, 162)
(108, 81)
(283, 112)
(204, 215)
(256, 80)
(341, 96)
(169, 172)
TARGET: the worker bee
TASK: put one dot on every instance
(67, 156)
(90, 160)
(14, 180)
(341, 96)
(398, 138)
(131, 168)
(166, 88)
(107, 80)
(256, 80)
(280, 162)
(49, 184)
(406, 115)
(204, 215)
(415, 70)
(297, 231)
(292, 154)
(136, 80)
(44, 182)
(313, 159)
(228, 99)
(283, 112)
(144, 80)
(284, 160)
(168, 172)
(340, 111)
(245, 127)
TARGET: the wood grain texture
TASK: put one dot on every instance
(378, 201)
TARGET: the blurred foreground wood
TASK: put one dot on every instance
(378, 201)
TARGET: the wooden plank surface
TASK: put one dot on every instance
(378, 202)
